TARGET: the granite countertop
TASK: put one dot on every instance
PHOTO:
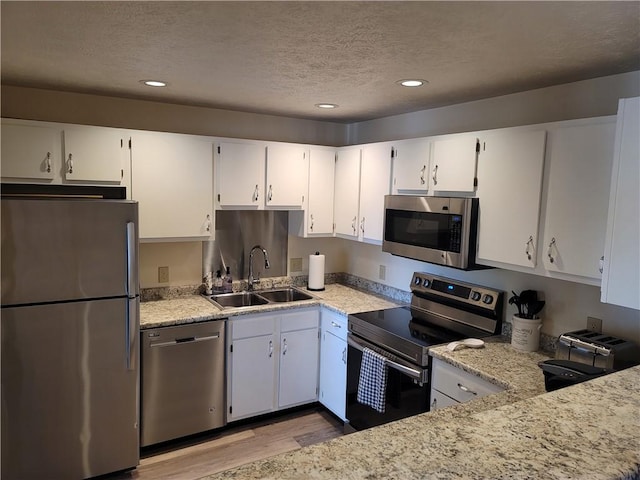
(196, 308)
(587, 431)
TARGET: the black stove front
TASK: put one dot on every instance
(404, 335)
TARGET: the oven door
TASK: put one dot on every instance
(407, 391)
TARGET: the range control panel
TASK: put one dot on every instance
(425, 283)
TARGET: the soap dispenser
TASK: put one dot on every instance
(217, 283)
(228, 281)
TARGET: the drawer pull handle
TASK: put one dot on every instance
(336, 325)
(466, 389)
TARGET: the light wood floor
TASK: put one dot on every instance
(199, 456)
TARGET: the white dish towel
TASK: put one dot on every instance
(373, 380)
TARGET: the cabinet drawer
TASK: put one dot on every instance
(334, 323)
(299, 320)
(458, 384)
(252, 326)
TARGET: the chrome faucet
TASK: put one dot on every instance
(251, 281)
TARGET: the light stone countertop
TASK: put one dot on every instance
(587, 431)
(195, 308)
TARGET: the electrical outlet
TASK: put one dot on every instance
(383, 272)
(594, 324)
(296, 264)
(163, 274)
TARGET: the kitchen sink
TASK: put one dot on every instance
(239, 299)
(285, 295)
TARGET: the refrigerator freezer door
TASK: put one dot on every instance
(66, 249)
(69, 403)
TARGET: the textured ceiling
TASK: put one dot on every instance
(284, 57)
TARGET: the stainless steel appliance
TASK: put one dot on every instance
(70, 305)
(442, 310)
(182, 380)
(440, 230)
(597, 349)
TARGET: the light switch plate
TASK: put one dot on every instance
(163, 274)
(296, 264)
(594, 324)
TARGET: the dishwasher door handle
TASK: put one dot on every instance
(180, 341)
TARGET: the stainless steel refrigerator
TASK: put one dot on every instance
(70, 346)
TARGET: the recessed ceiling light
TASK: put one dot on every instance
(326, 105)
(412, 82)
(154, 83)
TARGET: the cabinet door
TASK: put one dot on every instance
(509, 189)
(30, 151)
(322, 167)
(375, 183)
(580, 160)
(440, 400)
(94, 154)
(453, 167)
(240, 175)
(621, 276)
(287, 176)
(333, 373)
(347, 194)
(252, 377)
(411, 166)
(172, 179)
(298, 367)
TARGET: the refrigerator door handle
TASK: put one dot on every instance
(132, 261)
(131, 335)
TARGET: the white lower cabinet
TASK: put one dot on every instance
(333, 362)
(272, 362)
(451, 385)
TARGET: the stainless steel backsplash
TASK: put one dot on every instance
(237, 231)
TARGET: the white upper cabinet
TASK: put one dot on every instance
(375, 183)
(509, 189)
(319, 214)
(240, 174)
(94, 154)
(411, 166)
(579, 160)
(621, 276)
(347, 192)
(30, 151)
(453, 164)
(287, 176)
(172, 179)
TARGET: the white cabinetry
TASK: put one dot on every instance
(411, 166)
(240, 174)
(347, 192)
(316, 220)
(451, 385)
(94, 154)
(287, 176)
(333, 362)
(579, 160)
(30, 151)
(621, 276)
(172, 179)
(453, 165)
(509, 188)
(272, 362)
(375, 183)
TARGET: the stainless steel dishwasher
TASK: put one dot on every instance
(183, 381)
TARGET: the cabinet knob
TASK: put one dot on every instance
(550, 251)
(270, 348)
(207, 223)
(529, 247)
(311, 226)
(284, 346)
(435, 175)
(255, 194)
(601, 264)
(434, 404)
(466, 389)
(48, 162)
(362, 225)
(353, 224)
(270, 193)
(344, 355)
(70, 164)
(422, 170)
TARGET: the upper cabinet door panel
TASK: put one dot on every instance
(30, 151)
(580, 160)
(287, 175)
(240, 174)
(453, 167)
(411, 166)
(375, 183)
(347, 193)
(509, 189)
(322, 167)
(94, 154)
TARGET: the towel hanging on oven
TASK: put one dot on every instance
(372, 385)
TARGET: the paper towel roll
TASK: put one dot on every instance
(316, 272)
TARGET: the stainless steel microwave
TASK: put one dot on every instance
(440, 230)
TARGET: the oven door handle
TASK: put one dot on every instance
(410, 372)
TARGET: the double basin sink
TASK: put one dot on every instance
(250, 299)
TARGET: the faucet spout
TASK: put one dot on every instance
(251, 281)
